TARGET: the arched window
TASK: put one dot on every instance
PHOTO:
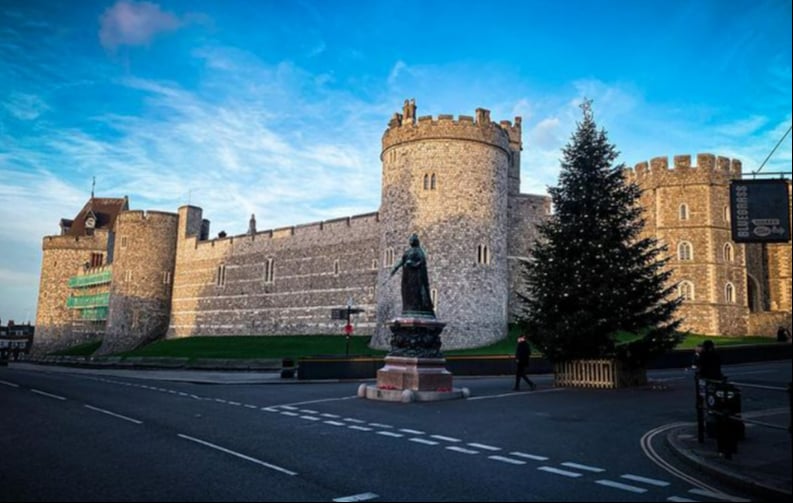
(729, 253)
(686, 290)
(685, 251)
(426, 182)
(729, 293)
(432, 182)
(483, 254)
(684, 211)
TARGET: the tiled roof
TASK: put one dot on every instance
(106, 210)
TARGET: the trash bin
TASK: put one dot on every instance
(723, 404)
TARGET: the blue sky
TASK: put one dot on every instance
(277, 107)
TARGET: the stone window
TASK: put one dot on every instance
(434, 298)
(123, 241)
(729, 293)
(336, 267)
(729, 253)
(686, 290)
(269, 271)
(483, 254)
(388, 258)
(97, 259)
(433, 182)
(683, 211)
(374, 263)
(726, 214)
(220, 278)
(128, 277)
(685, 252)
(426, 182)
(166, 277)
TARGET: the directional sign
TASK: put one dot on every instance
(760, 211)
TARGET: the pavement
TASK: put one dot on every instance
(761, 466)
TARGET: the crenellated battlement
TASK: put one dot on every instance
(708, 169)
(406, 127)
(152, 216)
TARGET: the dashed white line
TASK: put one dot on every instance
(332, 416)
(109, 413)
(390, 434)
(268, 409)
(652, 482)
(9, 384)
(251, 406)
(714, 494)
(446, 439)
(484, 447)
(242, 456)
(309, 411)
(620, 485)
(411, 432)
(462, 449)
(423, 441)
(587, 468)
(678, 498)
(353, 420)
(47, 394)
(288, 407)
(359, 428)
(289, 413)
(234, 403)
(557, 471)
(310, 418)
(335, 423)
(380, 425)
(506, 459)
(528, 456)
(357, 497)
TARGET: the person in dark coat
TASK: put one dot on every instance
(522, 353)
(709, 362)
(782, 335)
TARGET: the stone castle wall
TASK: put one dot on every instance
(143, 267)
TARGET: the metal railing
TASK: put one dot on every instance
(86, 301)
(91, 279)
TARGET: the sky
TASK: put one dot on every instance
(277, 108)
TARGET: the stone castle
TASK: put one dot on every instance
(130, 277)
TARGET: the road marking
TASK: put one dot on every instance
(557, 471)
(715, 494)
(583, 467)
(528, 456)
(309, 411)
(485, 447)
(423, 441)
(310, 418)
(380, 425)
(234, 403)
(357, 497)
(678, 498)
(359, 428)
(289, 413)
(447, 439)
(220, 400)
(287, 407)
(506, 460)
(390, 434)
(619, 485)
(353, 420)
(242, 456)
(268, 409)
(103, 411)
(9, 384)
(334, 423)
(47, 394)
(412, 432)
(516, 393)
(332, 416)
(462, 449)
(251, 406)
(653, 482)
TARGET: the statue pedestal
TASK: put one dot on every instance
(415, 369)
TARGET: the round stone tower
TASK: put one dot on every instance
(140, 292)
(448, 181)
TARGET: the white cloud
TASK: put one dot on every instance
(134, 23)
(24, 106)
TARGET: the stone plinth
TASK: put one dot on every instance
(416, 336)
(417, 374)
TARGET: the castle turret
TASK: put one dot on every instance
(448, 181)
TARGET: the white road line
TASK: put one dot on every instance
(357, 497)
(528, 456)
(380, 425)
(251, 406)
(412, 432)
(516, 393)
(335, 423)
(47, 394)
(103, 411)
(583, 467)
(715, 494)
(506, 460)
(309, 411)
(462, 449)
(268, 409)
(652, 482)
(390, 434)
(220, 400)
(332, 416)
(359, 428)
(678, 498)
(447, 439)
(310, 418)
(619, 485)
(551, 469)
(242, 456)
(484, 446)
(353, 420)
(287, 407)
(9, 384)
(423, 441)
(289, 413)
(234, 403)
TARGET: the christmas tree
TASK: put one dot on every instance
(595, 287)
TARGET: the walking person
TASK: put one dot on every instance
(709, 362)
(522, 353)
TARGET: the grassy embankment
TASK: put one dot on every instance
(316, 345)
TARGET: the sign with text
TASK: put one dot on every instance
(759, 211)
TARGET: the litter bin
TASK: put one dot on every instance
(723, 403)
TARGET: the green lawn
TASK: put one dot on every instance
(292, 346)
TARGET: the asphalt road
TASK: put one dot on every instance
(69, 437)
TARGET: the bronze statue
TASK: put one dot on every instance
(416, 299)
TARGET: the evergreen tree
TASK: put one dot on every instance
(591, 275)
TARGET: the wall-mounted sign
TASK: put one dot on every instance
(760, 211)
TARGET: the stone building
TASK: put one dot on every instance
(453, 181)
